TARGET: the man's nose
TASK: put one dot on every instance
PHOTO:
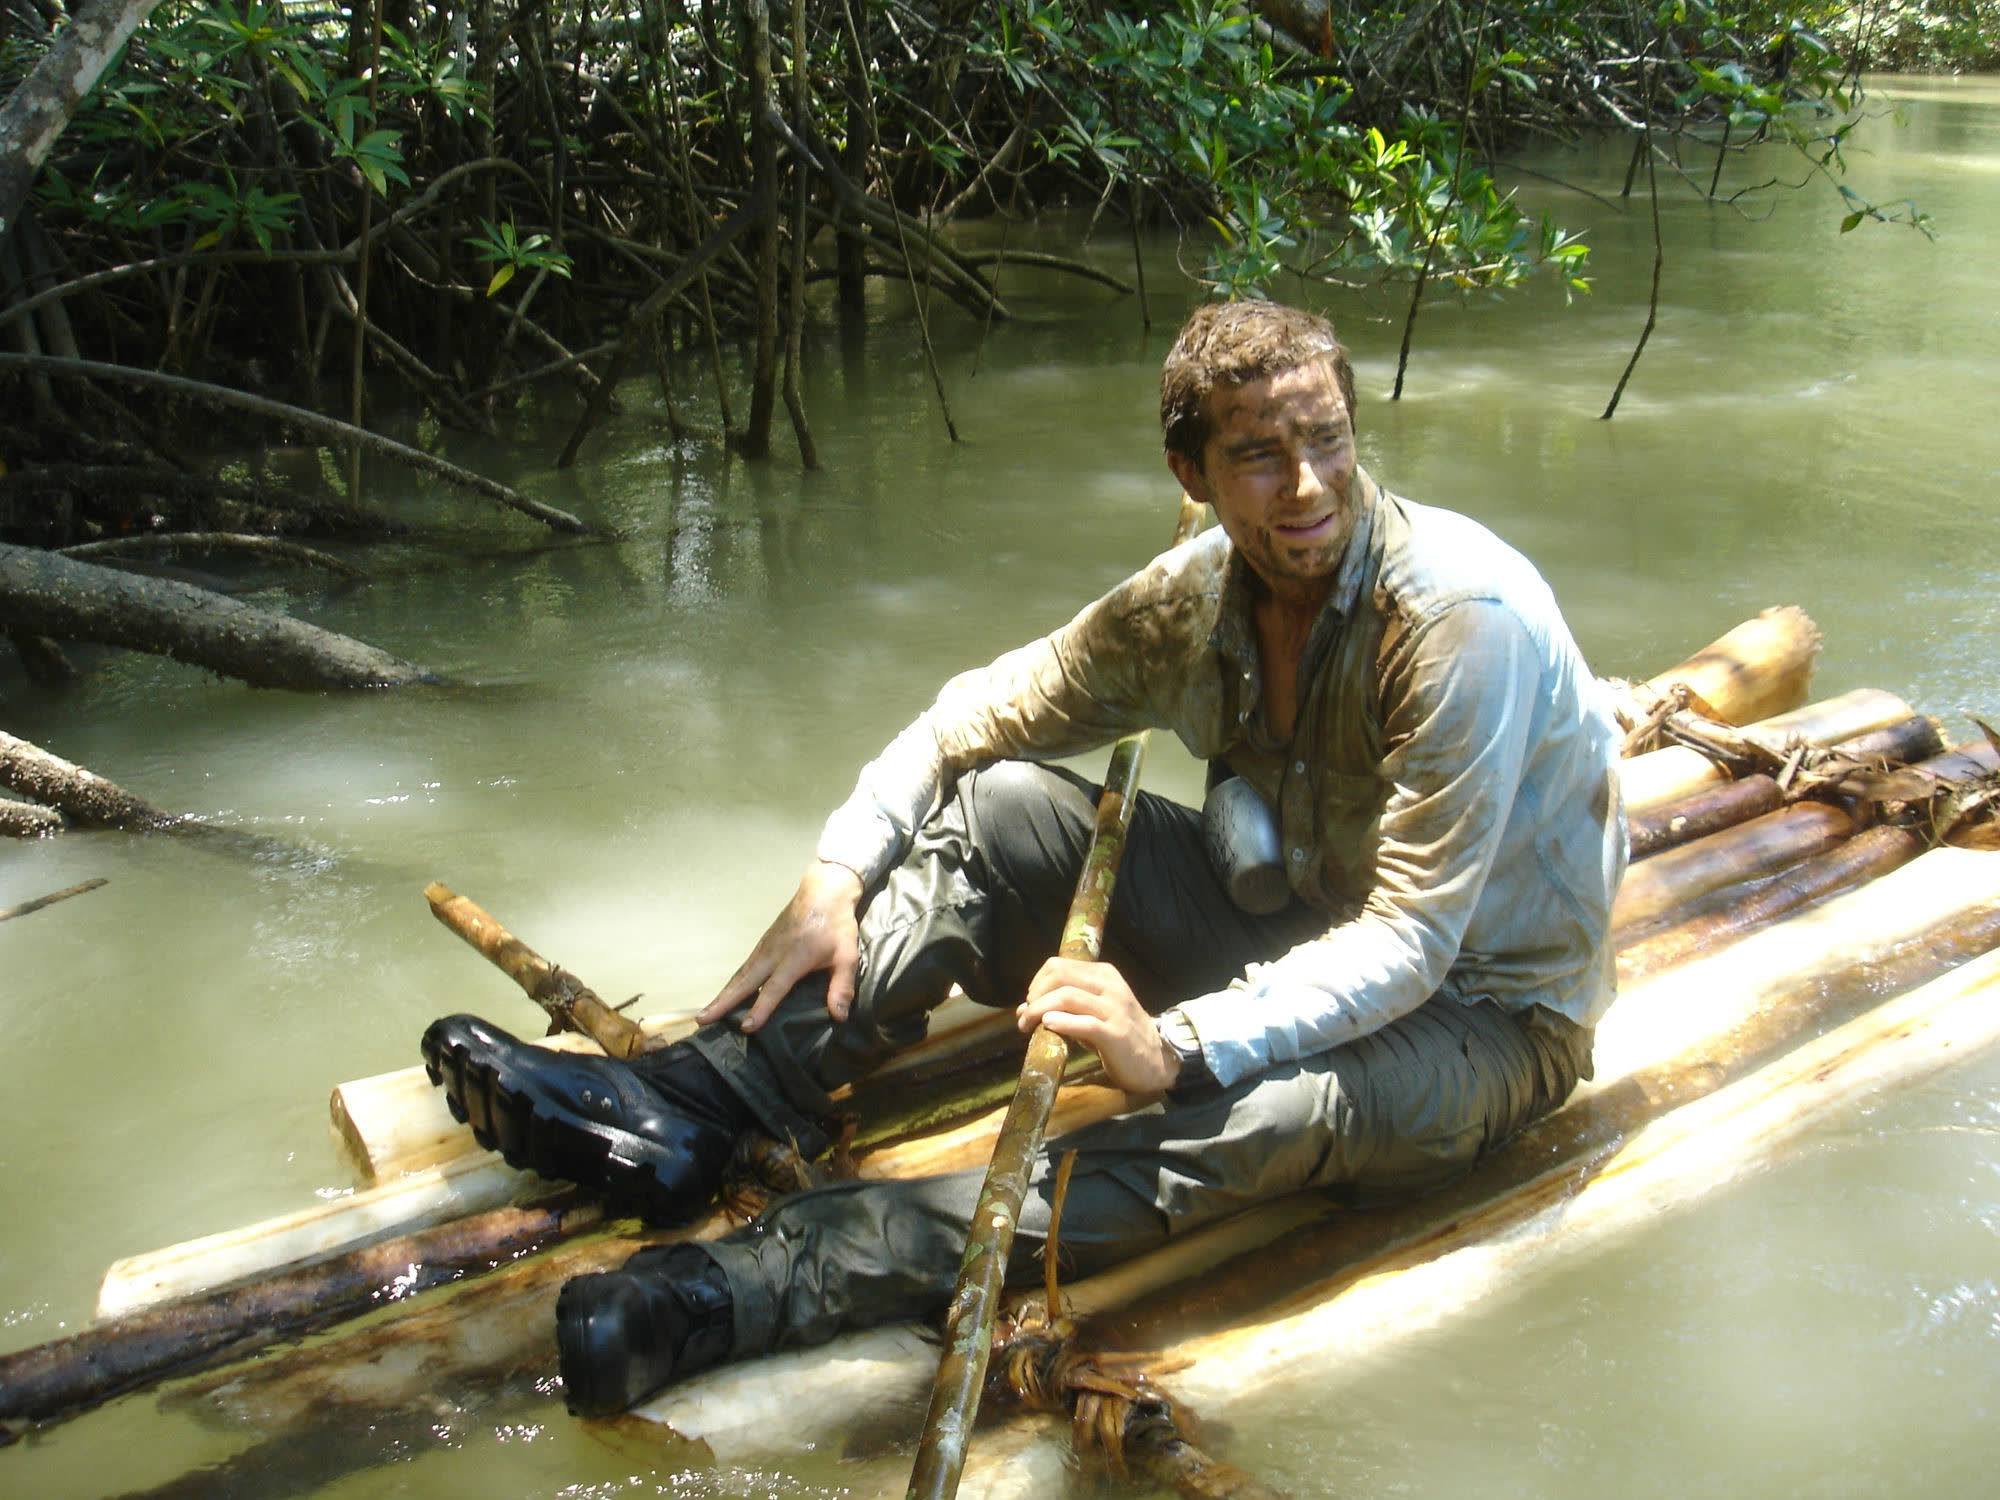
(1308, 483)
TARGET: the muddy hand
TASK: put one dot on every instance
(818, 929)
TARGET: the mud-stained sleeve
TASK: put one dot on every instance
(1068, 692)
(1456, 715)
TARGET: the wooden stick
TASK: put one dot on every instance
(968, 1330)
(571, 1003)
(39, 902)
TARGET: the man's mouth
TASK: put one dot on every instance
(1310, 529)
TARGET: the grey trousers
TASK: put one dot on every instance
(980, 903)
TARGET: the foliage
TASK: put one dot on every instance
(1927, 35)
(1337, 140)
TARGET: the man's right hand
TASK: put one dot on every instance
(819, 928)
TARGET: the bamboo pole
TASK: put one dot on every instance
(1701, 812)
(968, 1329)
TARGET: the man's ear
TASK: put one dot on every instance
(1189, 473)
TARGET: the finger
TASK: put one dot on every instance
(783, 977)
(744, 983)
(841, 979)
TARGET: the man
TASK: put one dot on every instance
(1397, 688)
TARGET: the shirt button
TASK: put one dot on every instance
(1298, 768)
(1298, 856)
(1242, 715)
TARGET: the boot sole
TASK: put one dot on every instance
(537, 1134)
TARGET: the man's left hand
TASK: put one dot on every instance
(1091, 1003)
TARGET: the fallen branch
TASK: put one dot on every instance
(24, 820)
(268, 548)
(50, 900)
(46, 594)
(79, 795)
(327, 428)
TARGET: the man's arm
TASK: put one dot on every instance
(1457, 716)
(1068, 692)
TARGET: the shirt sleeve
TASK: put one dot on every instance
(1457, 711)
(1071, 691)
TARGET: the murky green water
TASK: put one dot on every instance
(651, 731)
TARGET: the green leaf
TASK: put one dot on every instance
(1852, 222)
(500, 278)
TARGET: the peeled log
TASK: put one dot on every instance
(1660, 776)
(1706, 810)
(46, 594)
(1762, 667)
(414, 1202)
(1762, 846)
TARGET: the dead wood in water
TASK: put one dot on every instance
(46, 594)
(24, 820)
(79, 795)
(6, 913)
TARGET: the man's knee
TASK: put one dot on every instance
(1029, 822)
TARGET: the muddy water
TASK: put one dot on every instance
(643, 736)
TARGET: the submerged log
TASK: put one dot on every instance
(46, 594)
(27, 820)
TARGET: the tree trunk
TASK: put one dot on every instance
(44, 594)
(36, 113)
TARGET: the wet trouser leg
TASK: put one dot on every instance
(980, 903)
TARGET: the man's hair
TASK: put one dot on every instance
(1234, 343)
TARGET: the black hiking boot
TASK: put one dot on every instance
(653, 1134)
(622, 1335)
